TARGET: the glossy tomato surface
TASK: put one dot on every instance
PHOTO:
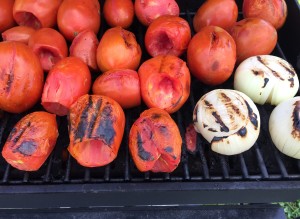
(118, 12)
(167, 35)
(221, 13)
(68, 80)
(75, 16)
(96, 130)
(211, 55)
(6, 15)
(118, 49)
(253, 36)
(155, 142)
(49, 45)
(122, 85)
(36, 14)
(31, 141)
(165, 82)
(18, 34)
(84, 46)
(21, 77)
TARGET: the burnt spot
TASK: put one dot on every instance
(289, 68)
(206, 104)
(266, 80)
(10, 79)
(216, 139)
(225, 97)
(258, 73)
(242, 132)
(168, 149)
(296, 120)
(223, 127)
(92, 122)
(252, 115)
(214, 37)
(12, 133)
(106, 130)
(212, 130)
(204, 125)
(276, 75)
(16, 135)
(144, 155)
(155, 116)
(291, 80)
(215, 66)
(27, 148)
(163, 129)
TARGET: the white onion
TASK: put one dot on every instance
(266, 79)
(284, 127)
(228, 119)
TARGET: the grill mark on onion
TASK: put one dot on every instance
(242, 132)
(291, 80)
(216, 139)
(266, 80)
(289, 68)
(230, 105)
(252, 115)
(212, 130)
(258, 73)
(204, 125)
(223, 127)
(296, 121)
(276, 75)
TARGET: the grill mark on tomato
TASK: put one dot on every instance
(155, 116)
(216, 139)
(26, 148)
(273, 72)
(168, 149)
(296, 121)
(266, 80)
(252, 115)
(177, 102)
(106, 129)
(94, 116)
(144, 155)
(242, 132)
(15, 135)
(223, 127)
(163, 129)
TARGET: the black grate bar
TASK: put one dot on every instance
(68, 169)
(107, 173)
(243, 166)
(48, 170)
(281, 166)
(3, 123)
(203, 159)
(87, 174)
(166, 176)
(224, 166)
(26, 177)
(6, 174)
(126, 145)
(147, 175)
(261, 162)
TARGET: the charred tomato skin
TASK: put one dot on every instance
(96, 128)
(7, 20)
(69, 79)
(122, 85)
(20, 74)
(31, 141)
(18, 34)
(155, 142)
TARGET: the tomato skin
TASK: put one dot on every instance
(165, 82)
(18, 34)
(155, 142)
(36, 14)
(167, 35)
(84, 46)
(148, 10)
(31, 141)
(122, 85)
(69, 79)
(75, 16)
(49, 45)
(211, 55)
(221, 13)
(253, 36)
(7, 20)
(96, 130)
(118, 49)
(118, 13)
(19, 77)
(273, 11)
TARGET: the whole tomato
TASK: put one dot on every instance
(155, 142)
(84, 46)
(31, 141)
(273, 11)
(118, 49)
(36, 14)
(167, 35)
(148, 10)
(7, 20)
(49, 45)
(118, 12)
(211, 55)
(21, 77)
(18, 34)
(96, 130)
(221, 13)
(75, 16)
(165, 82)
(253, 36)
(122, 85)
(69, 79)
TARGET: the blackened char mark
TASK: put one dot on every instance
(242, 132)
(26, 148)
(266, 80)
(212, 130)
(218, 118)
(94, 116)
(163, 130)
(216, 139)
(288, 69)
(296, 121)
(273, 72)
(144, 155)
(15, 135)
(106, 129)
(291, 80)
(168, 149)
(208, 104)
(252, 115)
(258, 73)
(155, 116)
(10, 79)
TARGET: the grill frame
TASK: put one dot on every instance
(213, 180)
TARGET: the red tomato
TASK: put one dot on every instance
(273, 11)
(21, 77)
(221, 13)
(69, 79)
(148, 10)
(7, 20)
(118, 12)
(31, 141)
(165, 82)
(167, 35)
(75, 16)
(96, 130)
(18, 34)
(118, 49)
(155, 142)
(253, 36)
(122, 85)
(36, 14)
(84, 46)
(211, 55)
(49, 45)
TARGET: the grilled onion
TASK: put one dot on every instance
(264, 78)
(284, 127)
(228, 119)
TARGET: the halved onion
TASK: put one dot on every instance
(228, 119)
(266, 79)
(284, 127)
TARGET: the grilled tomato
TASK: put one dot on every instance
(18, 34)
(6, 13)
